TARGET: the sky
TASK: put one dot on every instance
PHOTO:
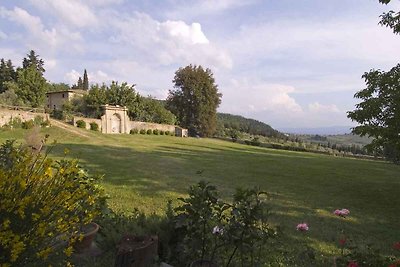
(289, 63)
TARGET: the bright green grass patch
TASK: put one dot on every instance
(144, 172)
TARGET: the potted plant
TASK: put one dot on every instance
(88, 233)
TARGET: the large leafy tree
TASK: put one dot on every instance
(195, 100)
(31, 86)
(378, 113)
(115, 94)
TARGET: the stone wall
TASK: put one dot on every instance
(139, 125)
(88, 122)
(6, 115)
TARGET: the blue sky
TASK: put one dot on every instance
(290, 63)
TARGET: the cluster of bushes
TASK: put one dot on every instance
(82, 124)
(55, 199)
(16, 122)
(150, 131)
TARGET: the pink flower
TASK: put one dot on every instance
(342, 242)
(352, 264)
(342, 212)
(302, 227)
(217, 230)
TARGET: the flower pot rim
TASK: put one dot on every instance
(96, 228)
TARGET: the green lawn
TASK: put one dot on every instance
(145, 171)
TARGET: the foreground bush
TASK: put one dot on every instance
(43, 204)
(228, 234)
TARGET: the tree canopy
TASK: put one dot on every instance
(7, 73)
(139, 108)
(242, 124)
(33, 59)
(195, 100)
(390, 19)
(378, 113)
(31, 86)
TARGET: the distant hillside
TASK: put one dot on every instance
(333, 130)
(246, 125)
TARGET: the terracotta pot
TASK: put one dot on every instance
(136, 251)
(203, 263)
(89, 233)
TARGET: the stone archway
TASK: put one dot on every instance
(115, 123)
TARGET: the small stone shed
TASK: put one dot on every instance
(55, 100)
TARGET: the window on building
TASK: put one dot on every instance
(63, 96)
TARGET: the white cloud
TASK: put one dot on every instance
(73, 12)
(99, 77)
(317, 107)
(168, 42)
(187, 10)
(51, 63)
(253, 96)
(185, 33)
(39, 36)
(309, 40)
(72, 77)
(94, 77)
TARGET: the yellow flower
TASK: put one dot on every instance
(68, 251)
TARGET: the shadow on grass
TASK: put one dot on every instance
(304, 188)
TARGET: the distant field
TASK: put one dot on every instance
(340, 139)
(145, 171)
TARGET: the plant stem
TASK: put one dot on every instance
(204, 241)
(231, 257)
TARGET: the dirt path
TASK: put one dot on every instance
(68, 127)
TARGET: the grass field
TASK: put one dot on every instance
(145, 171)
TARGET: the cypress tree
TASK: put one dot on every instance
(85, 81)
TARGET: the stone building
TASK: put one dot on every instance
(55, 100)
(115, 120)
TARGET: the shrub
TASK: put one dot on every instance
(155, 132)
(161, 132)
(45, 123)
(149, 131)
(228, 234)
(142, 131)
(134, 131)
(38, 120)
(58, 114)
(28, 124)
(55, 198)
(93, 126)
(15, 123)
(167, 133)
(81, 124)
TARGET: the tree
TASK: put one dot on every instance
(31, 86)
(195, 100)
(80, 83)
(378, 113)
(7, 73)
(56, 87)
(390, 19)
(33, 60)
(153, 110)
(85, 84)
